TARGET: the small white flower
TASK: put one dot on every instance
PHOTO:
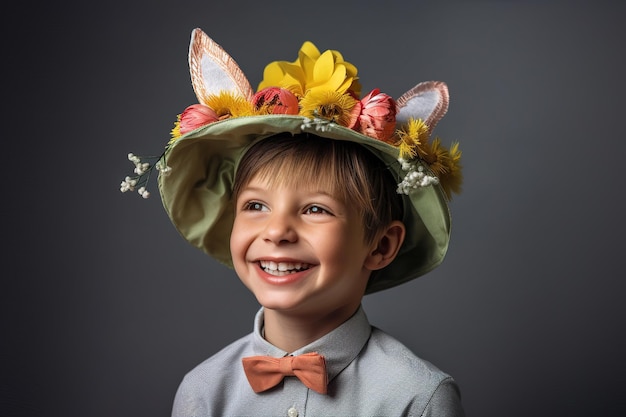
(142, 171)
(141, 168)
(321, 125)
(163, 169)
(127, 185)
(415, 178)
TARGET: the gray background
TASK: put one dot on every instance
(105, 307)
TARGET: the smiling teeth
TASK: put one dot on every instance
(283, 268)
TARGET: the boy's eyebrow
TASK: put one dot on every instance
(263, 189)
(248, 188)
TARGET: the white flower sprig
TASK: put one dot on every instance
(415, 178)
(321, 125)
(142, 173)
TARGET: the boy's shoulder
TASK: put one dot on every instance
(407, 380)
(221, 364)
(386, 352)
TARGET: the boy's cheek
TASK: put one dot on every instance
(241, 238)
(235, 244)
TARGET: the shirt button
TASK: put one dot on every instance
(292, 412)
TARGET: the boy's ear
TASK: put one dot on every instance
(386, 247)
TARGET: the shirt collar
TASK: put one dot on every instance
(339, 347)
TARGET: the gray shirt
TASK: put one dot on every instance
(369, 372)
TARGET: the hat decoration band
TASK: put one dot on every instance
(323, 89)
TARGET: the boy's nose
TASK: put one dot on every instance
(279, 229)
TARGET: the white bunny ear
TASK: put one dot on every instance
(213, 70)
(427, 101)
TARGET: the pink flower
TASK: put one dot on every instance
(195, 116)
(275, 100)
(375, 116)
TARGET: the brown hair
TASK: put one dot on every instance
(346, 170)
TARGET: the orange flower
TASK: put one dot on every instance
(275, 100)
(376, 117)
(195, 116)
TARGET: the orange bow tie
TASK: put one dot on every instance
(265, 372)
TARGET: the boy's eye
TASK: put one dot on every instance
(255, 206)
(316, 210)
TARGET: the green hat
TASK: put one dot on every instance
(319, 94)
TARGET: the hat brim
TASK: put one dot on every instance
(197, 193)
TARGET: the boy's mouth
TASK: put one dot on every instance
(283, 268)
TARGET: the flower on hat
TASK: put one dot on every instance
(312, 70)
(226, 104)
(413, 137)
(328, 105)
(275, 100)
(375, 116)
(191, 118)
(452, 177)
(219, 107)
(143, 170)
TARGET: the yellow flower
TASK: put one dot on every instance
(437, 158)
(226, 105)
(175, 132)
(328, 104)
(312, 71)
(446, 165)
(284, 75)
(452, 180)
(413, 139)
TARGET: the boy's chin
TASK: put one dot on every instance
(279, 303)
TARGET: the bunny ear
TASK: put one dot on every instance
(427, 101)
(213, 70)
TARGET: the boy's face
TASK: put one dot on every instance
(299, 250)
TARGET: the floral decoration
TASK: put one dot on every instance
(312, 72)
(275, 100)
(323, 88)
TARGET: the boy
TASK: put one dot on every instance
(316, 198)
